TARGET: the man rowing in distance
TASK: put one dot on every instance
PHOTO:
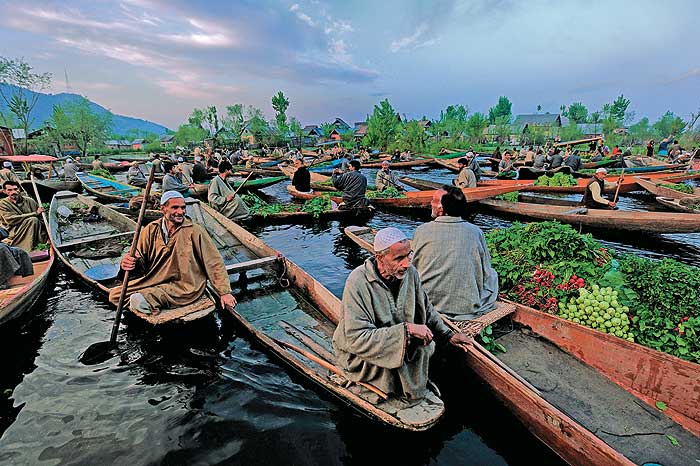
(223, 197)
(453, 261)
(466, 177)
(386, 178)
(593, 196)
(386, 332)
(174, 258)
(21, 216)
(135, 176)
(301, 180)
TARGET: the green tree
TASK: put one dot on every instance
(570, 132)
(453, 120)
(257, 125)
(618, 109)
(502, 109)
(189, 135)
(577, 112)
(668, 124)
(326, 129)
(76, 122)
(297, 131)
(382, 126)
(22, 92)
(641, 131)
(503, 128)
(594, 119)
(411, 137)
(234, 123)
(475, 127)
(280, 103)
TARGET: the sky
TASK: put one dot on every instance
(158, 59)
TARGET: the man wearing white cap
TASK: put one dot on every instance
(70, 168)
(174, 259)
(593, 196)
(386, 178)
(7, 174)
(135, 176)
(185, 170)
(385, 335)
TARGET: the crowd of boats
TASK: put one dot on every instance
(91, 223)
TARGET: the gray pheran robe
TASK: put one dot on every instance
(454, 265)
(353, 184)
(235, 209)
(371, 342)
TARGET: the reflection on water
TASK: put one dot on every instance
(207, 394)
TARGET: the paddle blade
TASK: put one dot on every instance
(98, 353)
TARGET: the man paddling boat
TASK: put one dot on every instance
(453, 261)
(386, 334)
(97, 164)
(21, 216)
(593, 196)
(70, 170)
(386, 178)
(174, 259)
(223, 197)
(353, 184)
(466, 177)
(135, 176)
(301, 180)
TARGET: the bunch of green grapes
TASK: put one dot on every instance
(598, 309)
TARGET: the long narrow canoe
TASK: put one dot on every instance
(655, 188)
(600, 163)
(260, 183)
(22, 292)
(420, 184)
(449, 164)
(622, 220)
(590, 396)
(405, 164)
(578, 141)
(302, 315)
(289, 170)
(629, 184)
(108, 190)
(92, 250)
(689, 205)
(111, 167)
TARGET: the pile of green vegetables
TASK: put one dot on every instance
(558, 179)
(103, 173)
(315, 206)
(508, 197)
(553, 268)
(389, 192)
(680, 187)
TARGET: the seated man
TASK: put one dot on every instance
(174, 258)
(21, 216)
(135, 176)
(223, 197)
(465, 178)
(171, 180)
(574, 161)
(13, 261)
(378, 345)
(593, 196)
(505, 166)
(453, 261)
(97, 164)
(353, 184)
(70, 169)
(7, 174)
(302, 178)
(386, 178)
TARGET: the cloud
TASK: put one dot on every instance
(692, 73)
(412, 41)
(199, 39)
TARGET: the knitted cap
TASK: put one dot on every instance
(167, 195)
(387, 237)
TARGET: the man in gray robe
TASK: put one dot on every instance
(171, 181)
(185, 170)
(223, 197)
(386, 178)
(7, 174)
(13, 261)
(453, 260)
(385, 335)
(135, 176)
(466, 177)
(70, 169)
(353, 184)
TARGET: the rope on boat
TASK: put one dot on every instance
(475, 326)
(282, 278)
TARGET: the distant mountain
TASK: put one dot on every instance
(120, 124)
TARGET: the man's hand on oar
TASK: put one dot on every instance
(228, 301)
(462, 340)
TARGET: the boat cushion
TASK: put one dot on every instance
(103, 272)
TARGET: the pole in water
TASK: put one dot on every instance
(102, 351)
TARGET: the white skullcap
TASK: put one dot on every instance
(7, 164)
(385, 162)
(180, 159)
(387, 237)
(601, 170)
(198, 158)
(69, 159)
(167, 195)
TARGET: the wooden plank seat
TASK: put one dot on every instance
(199, 308)
(251, 264)
(475, 326)
(91, 239)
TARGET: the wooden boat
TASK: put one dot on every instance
(449, 155)
(263, 172)
(529, 173)
(405, 164)
(260, 183)
(93, 251)
(51, 183)
(111, 167)
(289, 170)
(602, 409)
(655, 188)
(573, 213)
(689, 205)
(302, 315)
(578, 141)
(22, 292)
(448, 164)
(108, 190)
(129, 158)
(599, 164)
(420, 184)
(628, 185)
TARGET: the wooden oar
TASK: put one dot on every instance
(132, 251)
(241, 185)
(329, 366)
(38, 199)
(619, 183)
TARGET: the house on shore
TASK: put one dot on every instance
(167, 140)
